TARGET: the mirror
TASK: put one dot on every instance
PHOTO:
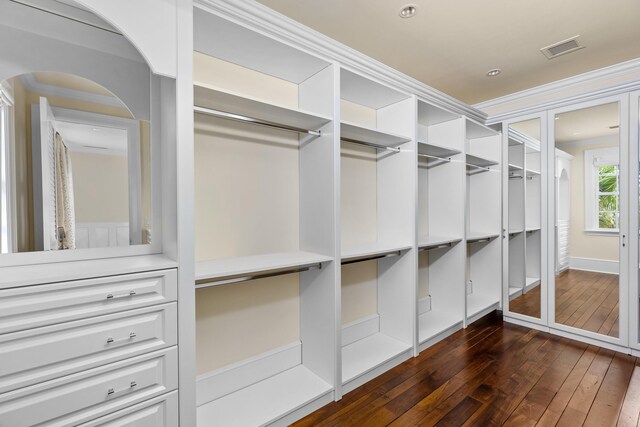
(524, 219)
(75, 133)
(587, 195)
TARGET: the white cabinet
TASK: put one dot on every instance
(80, 397)
(158, 412)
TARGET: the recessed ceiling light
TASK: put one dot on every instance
(494, 72)
(408, 11)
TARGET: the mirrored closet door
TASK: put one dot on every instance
(524, 290)
(590, 198)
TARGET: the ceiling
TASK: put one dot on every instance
(587, 124)
(452, 45)
(70, 81)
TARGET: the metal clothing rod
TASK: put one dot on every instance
(442, 246)
(254, 121)
(486, 239)
(478, 167)
(205, 283)
(371, 258)
(515, 177)
(434, 157)
(370, 144)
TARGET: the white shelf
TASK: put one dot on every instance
(371, 136)
(476, 303)
(367, 354)
(480, 161)
(436, 150)
(364, 250)
(211, 98)
(230, 267)
(475, 236)
(514, 292)
(266, 401)
(515, 231)
(477, 130)
(531, 172)
(532, 229)
(531, 282)
(514, 168)
(434, 322)
(433, 241)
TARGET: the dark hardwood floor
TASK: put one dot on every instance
(584, 299)
(495, 373)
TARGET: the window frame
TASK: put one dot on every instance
(593, 160)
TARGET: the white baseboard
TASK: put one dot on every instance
(360, 329)
(226, 380)
(597, 265)
(424, 305)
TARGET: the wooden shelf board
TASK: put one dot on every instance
(480, 161)
(367, 354)
(432, 241)
(436, 150)
(434, 322)
(227, 267)
(266, 401)
(363, 250)
(478, 302)
(208, 97)
(373, 136)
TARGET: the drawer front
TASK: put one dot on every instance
(41, 305)
(37, 355)
(158, 412)
(91, 394)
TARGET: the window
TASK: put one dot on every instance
(602, 190)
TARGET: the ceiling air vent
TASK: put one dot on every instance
(562, 48)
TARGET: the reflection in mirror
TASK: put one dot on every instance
(524, 219)
(75, 158)
(587, 218)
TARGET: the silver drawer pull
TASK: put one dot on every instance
(112, 391)
(131, 336)
(130, 294)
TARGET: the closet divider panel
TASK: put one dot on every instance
(265, 226)
(378, 178)
(484, 220)
(441, 222)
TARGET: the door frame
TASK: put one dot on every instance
(622, 341)
(634, 218)
(518, 318)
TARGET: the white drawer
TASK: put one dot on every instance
(88, 395)
(36, 355)
(40, 305)
(159, 412)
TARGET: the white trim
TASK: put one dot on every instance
(585, 142)
(608, 81)
(424, 305)
(603, 232)
(360, 329)
(593, 159)
(33, 85)
(231, 378)
(531, 324)
(596, 265)
(264, 20)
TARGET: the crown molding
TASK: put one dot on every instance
(34, 86)
(264, 20)
(608, 81)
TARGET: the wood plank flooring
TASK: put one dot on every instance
(584, 299)
(494, 373)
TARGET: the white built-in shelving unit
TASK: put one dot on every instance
(483, 219)
(441, 222)
(337, 222)
(377, 169)
(265, 240)
(524, 219)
